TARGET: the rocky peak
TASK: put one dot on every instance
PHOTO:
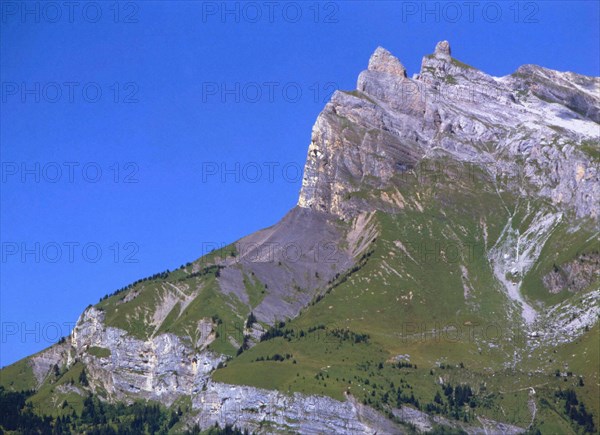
(544, 118)
(440, 64)
(442, 50)
(384, 61)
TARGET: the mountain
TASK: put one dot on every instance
(440, 272)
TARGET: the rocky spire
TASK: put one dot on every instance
(442, 50)
(384, 61)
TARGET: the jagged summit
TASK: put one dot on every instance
(384, 61)
(544, 117)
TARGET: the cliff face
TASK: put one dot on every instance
(162, 368)
(536, 129)
(517, 161)
(165, 368)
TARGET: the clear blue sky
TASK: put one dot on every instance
(166, 72)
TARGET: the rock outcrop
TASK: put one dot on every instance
(442, 50)
(162, 368)
(268, 411)
(575, 275)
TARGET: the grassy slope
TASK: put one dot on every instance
(18, 376)
(392, 294)
(49, 399)
(198, 281)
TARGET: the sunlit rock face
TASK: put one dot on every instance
(528, 126)
(161, 368)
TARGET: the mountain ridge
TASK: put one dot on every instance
(409, 97)
(443, 199)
